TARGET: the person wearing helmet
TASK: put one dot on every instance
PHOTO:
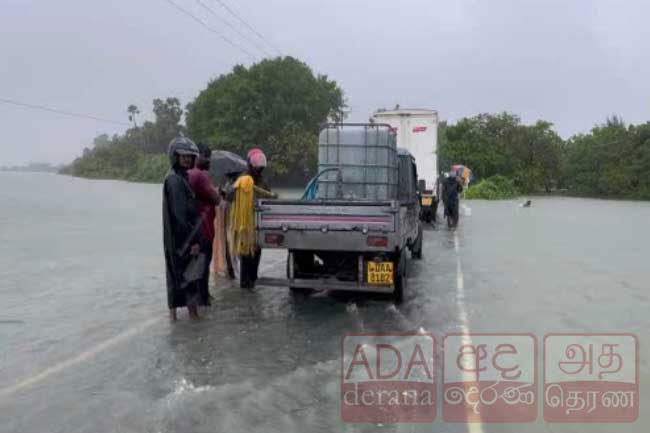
(241, 233)
(181, 229)
(256, 165)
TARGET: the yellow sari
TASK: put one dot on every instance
(241, 233)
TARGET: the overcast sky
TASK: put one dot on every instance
(571, 62)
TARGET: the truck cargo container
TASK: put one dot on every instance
(417, 131)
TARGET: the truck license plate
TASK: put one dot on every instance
(426, 201)
(380, 273)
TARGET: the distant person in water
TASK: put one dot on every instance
(452, 188)
(207, 197)
(527, 204)
(181, 229)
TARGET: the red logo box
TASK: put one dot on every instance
(489, 378)
(388, 378)
(591, 378)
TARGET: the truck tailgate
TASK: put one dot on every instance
(327, 225)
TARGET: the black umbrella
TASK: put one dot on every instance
(224, 163)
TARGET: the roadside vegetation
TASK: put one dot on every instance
(509, 158)
(137, 155)
(492, 188)
(276, 104)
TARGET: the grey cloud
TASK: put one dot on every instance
(569, 62)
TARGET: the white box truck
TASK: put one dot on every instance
(417, 132)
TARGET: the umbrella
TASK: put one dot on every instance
(458, 169)
(224, 163)
(462, 171)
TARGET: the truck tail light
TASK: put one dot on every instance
(274, 238)
(377, 241)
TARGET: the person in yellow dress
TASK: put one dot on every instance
(241, 225)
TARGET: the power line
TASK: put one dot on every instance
(236, 30)
(66, 113)
(233, 13)
(210, 29)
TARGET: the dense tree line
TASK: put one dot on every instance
(501, 145)
(139, 153)
(276, 104)
(612, 160)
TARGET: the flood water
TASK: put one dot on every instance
(86, 345)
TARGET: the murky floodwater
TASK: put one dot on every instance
(86, 347)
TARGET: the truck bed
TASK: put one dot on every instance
(327, 225)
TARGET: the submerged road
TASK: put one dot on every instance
(86, 345)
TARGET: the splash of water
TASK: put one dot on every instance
(184, 386)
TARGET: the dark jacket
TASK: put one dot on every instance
(181, 229)
(451, 189)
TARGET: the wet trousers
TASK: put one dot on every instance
(248, 269)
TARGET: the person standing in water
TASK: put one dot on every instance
(452, 187)
(207, 197)
(181, 228)
(241, 227)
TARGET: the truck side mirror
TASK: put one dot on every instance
(422, 185)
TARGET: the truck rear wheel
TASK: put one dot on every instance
(304, 291)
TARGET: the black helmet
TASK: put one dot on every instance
(181, 146)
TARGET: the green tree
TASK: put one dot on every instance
(498, 144)
(535, 155)
(133, 111)
(611, 160)
(292, 154)
(101, 141)
(139, 153)
(167, 125)
(482, 143)
(270, 105)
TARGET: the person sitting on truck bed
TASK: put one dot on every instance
(241, 228)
